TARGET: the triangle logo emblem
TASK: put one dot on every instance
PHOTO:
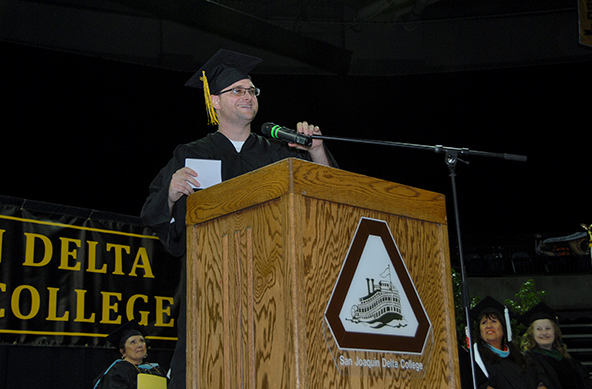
(375, 305)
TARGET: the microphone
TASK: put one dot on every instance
(285, 134)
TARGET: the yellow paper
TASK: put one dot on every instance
(148, 381)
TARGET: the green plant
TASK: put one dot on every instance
(526, 298)
(459, 311)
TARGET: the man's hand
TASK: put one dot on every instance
(179, 185)
(316, 150)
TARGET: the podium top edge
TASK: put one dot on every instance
(312, 180)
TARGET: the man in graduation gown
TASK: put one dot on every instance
(231, 102)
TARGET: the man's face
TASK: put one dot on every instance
(236, 109)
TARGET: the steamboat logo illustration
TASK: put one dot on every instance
(375, 305)
(381, 306)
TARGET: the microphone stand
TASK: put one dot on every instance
(451, 157)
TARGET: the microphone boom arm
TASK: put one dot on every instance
(439, 149)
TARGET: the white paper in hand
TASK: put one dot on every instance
(209, 171)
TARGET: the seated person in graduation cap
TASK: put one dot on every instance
(232, 103)
(501, 365)
(542, 344)
(129, 371)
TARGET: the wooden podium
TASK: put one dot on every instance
(264, 252)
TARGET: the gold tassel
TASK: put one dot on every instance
(212, 117)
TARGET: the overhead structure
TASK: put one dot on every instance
(243, 28)
(343, 37)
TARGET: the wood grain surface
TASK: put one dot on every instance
(262, 263)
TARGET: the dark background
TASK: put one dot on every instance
(92, 133)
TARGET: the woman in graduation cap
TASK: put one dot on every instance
(501, 364)
(124, 372)
(542, 344)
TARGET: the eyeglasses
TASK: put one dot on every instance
(241, 91)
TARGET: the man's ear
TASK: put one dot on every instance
(215, 101)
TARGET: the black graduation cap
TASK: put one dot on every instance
(487, 305)
(222, 70)
(538, 312)
(118, 337)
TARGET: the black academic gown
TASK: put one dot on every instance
(505, 373)
(562, 374)
(255, 153)
(124, 375)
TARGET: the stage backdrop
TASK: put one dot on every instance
(70, 276)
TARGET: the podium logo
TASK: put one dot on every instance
(374, 305)
(381, 306)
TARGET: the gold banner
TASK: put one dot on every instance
(72, 280)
